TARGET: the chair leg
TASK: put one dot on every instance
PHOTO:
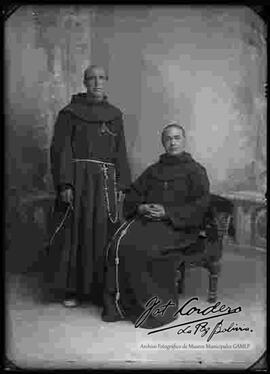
(181, 278)
(214, 269)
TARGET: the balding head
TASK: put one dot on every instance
(89, 71)
(94, 80)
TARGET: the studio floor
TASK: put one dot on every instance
(47, 335)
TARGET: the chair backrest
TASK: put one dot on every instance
(220, 204)
(220, 213)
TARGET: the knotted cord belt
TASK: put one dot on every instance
(68, 210)
(104, 165)
(114, 219)
(122, 230)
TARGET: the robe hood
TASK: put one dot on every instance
(183, 157)
(91, 110)
(170, 167)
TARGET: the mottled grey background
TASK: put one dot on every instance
(202, 65)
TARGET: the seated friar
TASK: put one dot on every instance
(164, 209)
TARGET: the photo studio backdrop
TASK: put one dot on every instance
(203, 66)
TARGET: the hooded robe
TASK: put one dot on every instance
(88, 154)
(141, 261)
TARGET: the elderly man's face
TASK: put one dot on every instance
(94, 81)
(173, 141)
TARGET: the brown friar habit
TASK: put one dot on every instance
(88, 149)
(138, 267)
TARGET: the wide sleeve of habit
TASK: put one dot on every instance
(61, 152)
(192, 212)
(136, 195)
(123, 175)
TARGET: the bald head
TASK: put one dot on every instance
(94, 80)
(89, 71)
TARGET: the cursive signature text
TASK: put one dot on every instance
(154, 307)
(203, 329)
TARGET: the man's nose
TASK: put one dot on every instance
(98, 82)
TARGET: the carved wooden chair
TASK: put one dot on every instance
(207, 252)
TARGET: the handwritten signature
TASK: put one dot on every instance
(154, 307)
(203, 328)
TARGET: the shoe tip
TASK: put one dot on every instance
(70, 303)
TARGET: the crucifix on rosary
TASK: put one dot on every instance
(104, 129)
